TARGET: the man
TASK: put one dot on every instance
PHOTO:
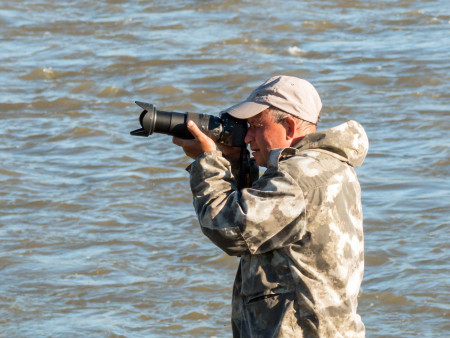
(298, 228)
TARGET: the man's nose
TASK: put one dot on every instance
(248, 137)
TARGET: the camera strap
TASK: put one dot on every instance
(244, 179)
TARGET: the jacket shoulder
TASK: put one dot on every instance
(311, 168)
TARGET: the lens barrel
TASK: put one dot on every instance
(175, 124)
(158, 121)
(226, 130)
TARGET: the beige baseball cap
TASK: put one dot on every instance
(288, 93)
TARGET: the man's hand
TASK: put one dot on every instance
(229, 152)
(199, 145)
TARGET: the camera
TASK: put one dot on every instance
(224, 129)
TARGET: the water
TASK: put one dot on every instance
(97, 233)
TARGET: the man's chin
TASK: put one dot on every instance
(258, 159)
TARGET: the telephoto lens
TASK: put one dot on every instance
(224, 129)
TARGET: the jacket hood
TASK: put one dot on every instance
(348, 142)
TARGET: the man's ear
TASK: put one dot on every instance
(290, 125)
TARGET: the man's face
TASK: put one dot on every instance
(264, 135)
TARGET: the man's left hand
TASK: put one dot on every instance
(201, 144)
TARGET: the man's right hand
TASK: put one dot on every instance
(201, 144)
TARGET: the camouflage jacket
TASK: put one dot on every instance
(298, 231)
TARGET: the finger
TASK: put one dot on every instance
(195, 130)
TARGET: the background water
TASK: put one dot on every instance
(98, 236)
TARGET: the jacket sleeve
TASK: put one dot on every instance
(267, 216)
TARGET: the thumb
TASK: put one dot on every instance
(206, 143)
(195, 130)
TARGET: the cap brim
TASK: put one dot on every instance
(246, 109)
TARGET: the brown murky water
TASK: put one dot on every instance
(97, 233)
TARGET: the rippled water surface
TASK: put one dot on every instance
(98, 236)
